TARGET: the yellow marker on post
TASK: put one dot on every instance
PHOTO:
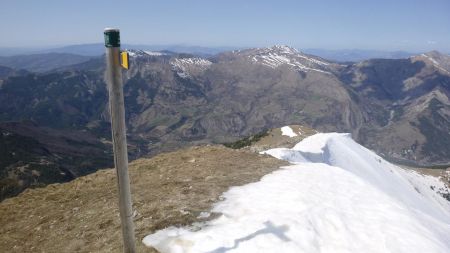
(124, 60)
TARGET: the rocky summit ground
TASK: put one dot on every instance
(169, 189)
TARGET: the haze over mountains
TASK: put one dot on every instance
(42, 62)
(97, 49)
(398, 107)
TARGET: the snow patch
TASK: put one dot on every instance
(142, 53)
(183, 66)
(180, 62)
(337, 197)
(153, 53)
(287, 130)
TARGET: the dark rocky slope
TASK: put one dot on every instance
(398, 107)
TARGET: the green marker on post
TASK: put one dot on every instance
(112, 40)
(112, 37)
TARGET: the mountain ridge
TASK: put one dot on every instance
(399, 108)
(97, 49)
(42, 62)
(170, 189)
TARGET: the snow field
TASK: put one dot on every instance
(337, 197)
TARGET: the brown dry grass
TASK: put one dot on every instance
(275, 139)
(169, 189)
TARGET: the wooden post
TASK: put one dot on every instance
(117, 111)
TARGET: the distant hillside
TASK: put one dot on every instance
(6, 72)
(357, 55)
(32, 156)
(179, 99)
(42, 62)
(398, 107)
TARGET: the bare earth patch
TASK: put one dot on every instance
(168, 189)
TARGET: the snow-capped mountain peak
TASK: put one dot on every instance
(438, 60)
(284, 49)
(278, 55)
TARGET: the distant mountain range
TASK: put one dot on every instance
(98, 49)
(42, 62)
(398, 107)
(356, 55)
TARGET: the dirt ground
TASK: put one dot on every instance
(168, 189)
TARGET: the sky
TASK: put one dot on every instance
(408, 25)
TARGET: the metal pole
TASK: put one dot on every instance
(117, 111)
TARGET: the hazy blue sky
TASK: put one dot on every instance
(413, 25)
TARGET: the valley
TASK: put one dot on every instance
(396, 107)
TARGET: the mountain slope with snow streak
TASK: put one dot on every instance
(186, 66)
(337, 197)
(279, 55)
(144, 53)
(438, 60)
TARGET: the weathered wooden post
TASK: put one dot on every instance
(117, 111)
